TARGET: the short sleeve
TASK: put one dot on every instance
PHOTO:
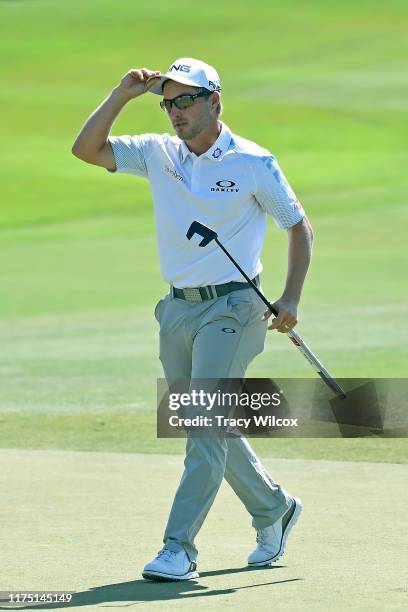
(274, 194)
(131, 153)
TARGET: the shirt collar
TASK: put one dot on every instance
(217, 151)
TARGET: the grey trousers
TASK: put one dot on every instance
(196, 342)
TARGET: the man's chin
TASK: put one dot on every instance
(181, 129)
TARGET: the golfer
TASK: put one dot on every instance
(212, 323)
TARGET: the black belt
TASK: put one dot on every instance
(210, 292)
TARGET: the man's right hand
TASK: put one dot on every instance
(137, 82)
(92, 144)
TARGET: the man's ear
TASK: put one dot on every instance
(215, 100)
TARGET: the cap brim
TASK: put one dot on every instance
(157, 88)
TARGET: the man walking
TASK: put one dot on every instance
(212, 323)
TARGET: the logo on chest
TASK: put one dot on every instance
(173, 173)
(225, 185)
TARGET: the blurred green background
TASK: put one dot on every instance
(322, 85)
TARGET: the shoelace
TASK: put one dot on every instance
(260, 535)
(165, 552)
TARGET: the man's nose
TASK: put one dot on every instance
(175, 113)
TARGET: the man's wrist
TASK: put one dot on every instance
(290, 298)
(118, 95)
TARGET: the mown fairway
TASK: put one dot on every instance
(90, 526)
(323, 86)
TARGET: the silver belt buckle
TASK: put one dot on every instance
(192, 294)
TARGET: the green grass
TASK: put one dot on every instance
(322, 85)
(89, 522)
(127, 432)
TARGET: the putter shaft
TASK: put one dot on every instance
(208, 235)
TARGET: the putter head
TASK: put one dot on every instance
(202, 230)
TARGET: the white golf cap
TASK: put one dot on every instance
(189, 71)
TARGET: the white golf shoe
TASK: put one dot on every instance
(170, 565)
(272, 540)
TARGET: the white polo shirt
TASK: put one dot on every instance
(230, 188)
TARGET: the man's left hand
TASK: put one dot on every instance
(287, 315)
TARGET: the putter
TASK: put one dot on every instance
(208, 235)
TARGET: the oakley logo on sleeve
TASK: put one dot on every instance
(268, 161)
(225, 185)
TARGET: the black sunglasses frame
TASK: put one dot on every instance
(192, 97)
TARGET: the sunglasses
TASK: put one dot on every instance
(182, 102)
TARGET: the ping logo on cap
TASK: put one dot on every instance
(180, 67)
(214, 86)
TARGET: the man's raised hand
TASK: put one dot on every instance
(137, 82)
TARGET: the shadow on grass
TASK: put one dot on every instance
(146, 590)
